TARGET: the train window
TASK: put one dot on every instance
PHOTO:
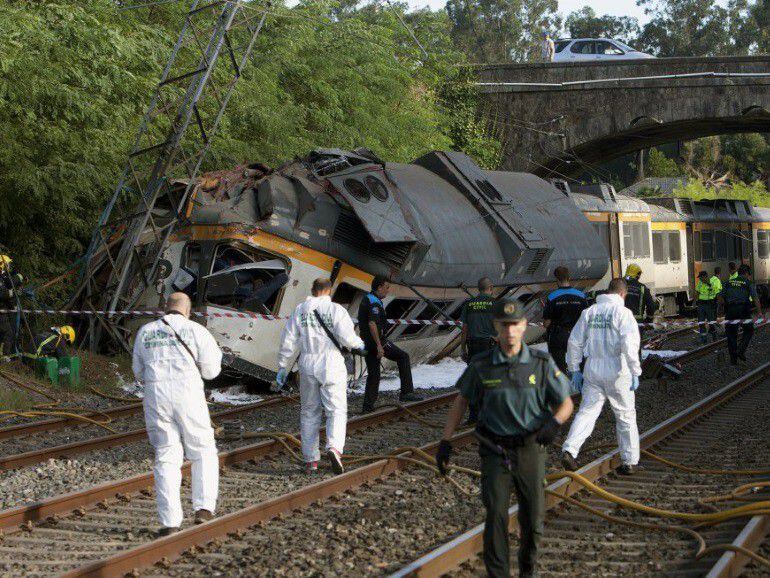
(746, 245)
(246, 279)
(399, 308)
(602, 229)
(763, 244)
(346, 294)
(720, 240)
(707, 245)
(696, 246)
(659, 247)
(674, 247)
(636, 240)
(427, 313)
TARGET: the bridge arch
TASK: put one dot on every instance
(560, 118)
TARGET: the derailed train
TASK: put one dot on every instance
(254, 239)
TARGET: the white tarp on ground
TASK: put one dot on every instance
(664, 354)
(440, 376)
(234, 395)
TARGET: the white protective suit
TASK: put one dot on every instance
(322, 371)
(607, 336)
(176, 413)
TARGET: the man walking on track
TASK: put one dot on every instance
(607, 337)
(172, 357)
(320, 330)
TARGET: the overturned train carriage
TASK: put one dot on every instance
(254, 239)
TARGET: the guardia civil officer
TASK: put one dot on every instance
(740, 296)
(562, 310)
(172, 357)
(522, 399)
(478, 333)
(372, 323)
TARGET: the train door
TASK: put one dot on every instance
(690, 260)
(614, 246)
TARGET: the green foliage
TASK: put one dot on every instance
(77, 77)
(499, 30)
(756, 193)
(584, 23)
(658, 164)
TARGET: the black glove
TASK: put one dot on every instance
(548, 431)
(442, 456)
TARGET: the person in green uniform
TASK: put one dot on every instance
(522, 400)
(478, 333)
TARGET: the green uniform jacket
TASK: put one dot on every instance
(514, 395)
(477, 317)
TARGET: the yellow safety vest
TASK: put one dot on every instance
(704, 291)
(716, 286)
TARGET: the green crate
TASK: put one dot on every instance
(69, 371)
(48, 368)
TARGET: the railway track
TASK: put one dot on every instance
(117, 519)
(25, 446)
(577, 543)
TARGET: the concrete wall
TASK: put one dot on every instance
(551, 128)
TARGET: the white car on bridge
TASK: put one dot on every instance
(588, 49)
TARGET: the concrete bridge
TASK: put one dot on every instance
(563, 118)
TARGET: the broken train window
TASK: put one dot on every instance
(245, 278)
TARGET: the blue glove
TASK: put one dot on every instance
(634, 382)
(280, 378)
(577, 381)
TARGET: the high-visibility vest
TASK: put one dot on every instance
(704, 291)
(716, 286)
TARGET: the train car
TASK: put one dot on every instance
(721, 233)
(760, 232)
(622, 223)
(672, 267)
(255, 238)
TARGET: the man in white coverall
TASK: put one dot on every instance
(171, 356)
(322, 371)
(607, 336)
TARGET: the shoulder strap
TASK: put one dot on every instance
(327, 330)
(187, 347)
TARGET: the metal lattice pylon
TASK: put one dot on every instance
(174, 137)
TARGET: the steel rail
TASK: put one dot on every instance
(12, 518)
(24, 429)
(65, 450)
(172, 546)
(708, 348)
(730, 564)
(465, 546)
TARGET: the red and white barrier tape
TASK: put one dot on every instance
(444, 322)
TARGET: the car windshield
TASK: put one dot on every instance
(560, 45)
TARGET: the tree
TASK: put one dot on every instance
(658, 164)
(685, 28)
(498, 30)
(584, 23)
(77, 77)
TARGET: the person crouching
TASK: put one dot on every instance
(319, 329)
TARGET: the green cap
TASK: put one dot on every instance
(508, 309)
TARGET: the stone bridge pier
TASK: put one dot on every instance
(563, 118)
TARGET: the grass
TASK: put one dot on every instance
(14, 399)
